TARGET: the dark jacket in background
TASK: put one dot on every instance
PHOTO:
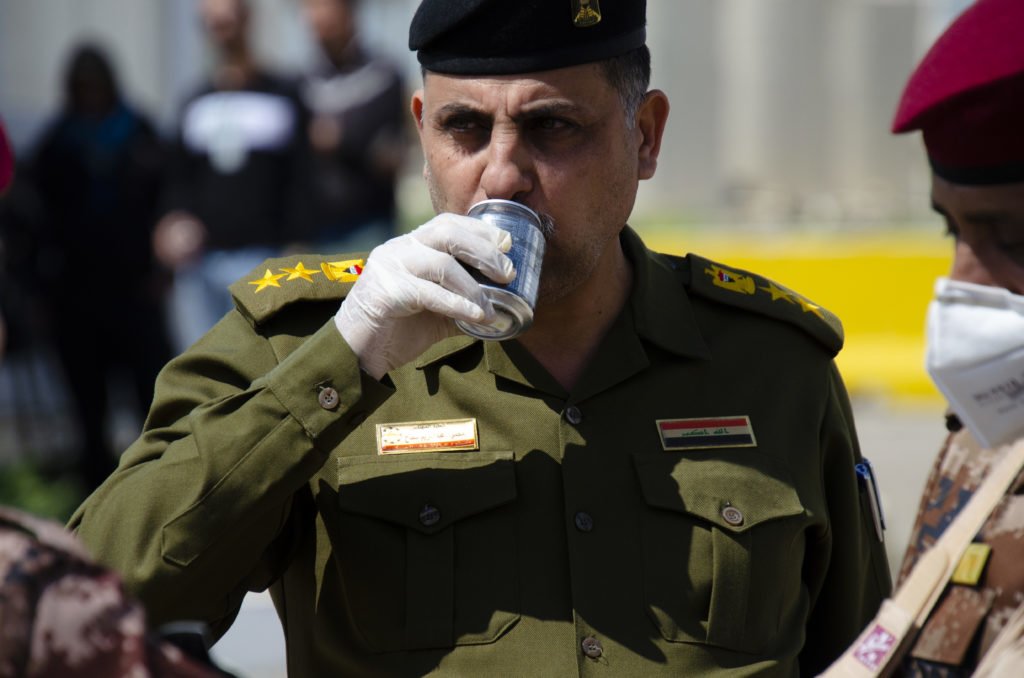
(354, 184)
(235, 161)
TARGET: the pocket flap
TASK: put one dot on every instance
(755, 487)
(426, 492)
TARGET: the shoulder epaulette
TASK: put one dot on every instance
(277, 283)
(752, 292)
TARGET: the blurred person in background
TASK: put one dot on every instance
(230, 196)
(6, 160)
(61, 614)
(967, 99)
(97, 172)
(6, 177)
(355, 134)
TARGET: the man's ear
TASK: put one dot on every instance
(416, 108)
(650, 124)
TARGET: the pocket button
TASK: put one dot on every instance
(429, 515)
(592, 647)
(732, 515)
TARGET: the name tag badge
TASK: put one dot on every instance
(705, 433)
(447, 435)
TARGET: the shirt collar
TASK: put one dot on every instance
(661, 308)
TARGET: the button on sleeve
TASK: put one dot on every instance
(320, 384)
(328, 398)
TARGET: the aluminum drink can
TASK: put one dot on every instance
(513, 303)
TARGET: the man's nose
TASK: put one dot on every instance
(969, 267)
(509, 171)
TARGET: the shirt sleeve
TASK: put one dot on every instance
(197, 502)
(848, 573)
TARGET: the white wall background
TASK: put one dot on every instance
(780, 107)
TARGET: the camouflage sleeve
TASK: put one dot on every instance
(923, 535)
(239, 424)
(849, 577)
(63, 615)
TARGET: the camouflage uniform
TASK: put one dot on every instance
(967, 618)
(63, 615)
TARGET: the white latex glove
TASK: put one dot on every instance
(413, 287)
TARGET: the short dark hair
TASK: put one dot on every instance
(630, 75)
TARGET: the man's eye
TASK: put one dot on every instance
(553, 124)
(1013, 249)
(952, 230)
(462, 125)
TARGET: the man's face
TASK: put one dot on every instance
(331, 21)
(988, 225)
(224, 21)
(555, 141)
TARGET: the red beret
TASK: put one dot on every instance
(6, 160)
(967, 96)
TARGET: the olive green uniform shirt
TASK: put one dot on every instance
(575, 540)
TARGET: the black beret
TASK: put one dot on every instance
(498, 37)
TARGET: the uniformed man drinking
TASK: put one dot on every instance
(656, 478)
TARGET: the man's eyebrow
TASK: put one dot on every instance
(983, 216)
(990, 217)
(548, 109)
(456, 108)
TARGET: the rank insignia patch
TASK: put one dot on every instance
(705, 433)
(729, 280)
(343, 271)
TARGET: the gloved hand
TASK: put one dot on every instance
(413, 286)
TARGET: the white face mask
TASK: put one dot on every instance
(976, 357)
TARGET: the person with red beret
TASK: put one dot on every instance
(967, 99)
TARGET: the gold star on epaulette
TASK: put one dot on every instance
(777, 293)
(300, 271)
(809, 307)
(268, 280)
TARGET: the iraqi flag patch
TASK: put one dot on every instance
(706, 433)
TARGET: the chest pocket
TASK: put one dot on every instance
(425, 546)
(722, 547)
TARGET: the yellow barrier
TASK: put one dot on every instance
(878, 283)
